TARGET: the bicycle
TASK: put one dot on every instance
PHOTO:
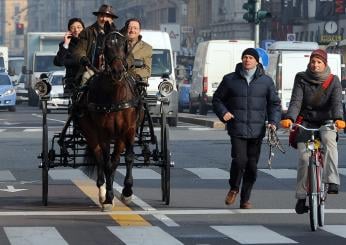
(316, 189)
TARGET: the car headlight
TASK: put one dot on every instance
(42, 88)
(165, 87)
(10, 91)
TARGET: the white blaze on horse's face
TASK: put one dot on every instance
(133, 30)
(103, 18)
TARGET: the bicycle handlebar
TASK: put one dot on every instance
(312, 129)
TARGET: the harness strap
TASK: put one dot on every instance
(113, 107)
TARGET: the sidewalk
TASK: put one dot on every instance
(207, 121)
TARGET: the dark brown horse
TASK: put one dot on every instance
(110, 115)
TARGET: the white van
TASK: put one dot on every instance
(162, 63)
(213, 60)
(286, 59)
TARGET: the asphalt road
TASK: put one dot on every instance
(196, 214)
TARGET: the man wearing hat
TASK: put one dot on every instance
(90, 44)
(245, 100)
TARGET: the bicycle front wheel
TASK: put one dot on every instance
(321, 202)
(313, 195)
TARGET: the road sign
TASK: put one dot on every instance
(173, 31)
(264, 58)
(291, 36)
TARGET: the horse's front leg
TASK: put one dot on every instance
(126, 194)
(109, 174)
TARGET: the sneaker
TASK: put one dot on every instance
(333, 188)
(301, 207)
(245, 205)
(231, 196)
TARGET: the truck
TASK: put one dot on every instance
(4, 58)
(40, 49)
(213, 60)
(286, 59)
(162, 64)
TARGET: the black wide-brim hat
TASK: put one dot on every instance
(107, 10)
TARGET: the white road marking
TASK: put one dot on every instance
(339, 230)
(2, 130)
(34, 235)
(252, 234)
(145, 206)
(342, 171)
(209, 173)
(32, 130)
(141, 173)
(67, 174)
(49, 119)
(281, 173)
(6, 175)
(164, 212)
(135, 235)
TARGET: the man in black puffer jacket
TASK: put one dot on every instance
(245, 100)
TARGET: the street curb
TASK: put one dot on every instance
(201, 120)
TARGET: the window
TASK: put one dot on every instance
(161, 63)
(5, 80)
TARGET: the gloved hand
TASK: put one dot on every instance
(84, 61)
(286, 123)
(340, 124)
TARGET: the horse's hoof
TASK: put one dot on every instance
(126, 200)
(107, 207)
(102, 193)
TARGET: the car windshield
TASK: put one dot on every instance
(15, 66)
(45, 64)
(57, 79)
(161, 63)
(5, 80)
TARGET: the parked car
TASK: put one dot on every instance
(57, 100)
(21, 91)
(7, 93)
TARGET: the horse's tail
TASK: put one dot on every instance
(90, 168)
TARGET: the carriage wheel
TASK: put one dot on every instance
(45, 158)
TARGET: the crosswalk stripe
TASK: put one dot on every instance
(67, 174)
(142, 173)
(252, 234)
(34, 235)
(32, 130)
(209, 173)
(6, 175)
(339, 230)
(281, 173)
(342, 171)
(145, 206)
(2, 130)
(134, 235)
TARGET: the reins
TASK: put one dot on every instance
(273, 142)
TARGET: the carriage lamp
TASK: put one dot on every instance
(165, 87)
(42, 87)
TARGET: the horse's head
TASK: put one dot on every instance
(115, 51)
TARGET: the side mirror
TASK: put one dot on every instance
(138, 63)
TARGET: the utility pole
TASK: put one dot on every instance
(257, 8)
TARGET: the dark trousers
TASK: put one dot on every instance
(245, 154)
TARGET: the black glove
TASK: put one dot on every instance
(84, 61)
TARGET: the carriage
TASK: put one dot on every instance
(70, 148)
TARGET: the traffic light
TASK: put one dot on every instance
(19, 29)
(250, 15)
(261, 15)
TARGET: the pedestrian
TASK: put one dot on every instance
(316, 98)
(245, 100)
(64, 55)
(138, 49)
(89, 49)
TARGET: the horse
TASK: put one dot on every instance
(110, 116)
